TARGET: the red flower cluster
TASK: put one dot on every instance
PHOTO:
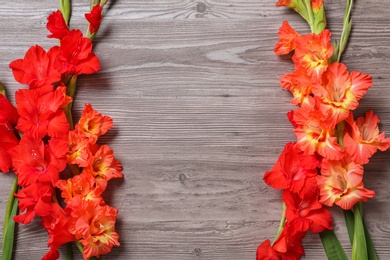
(325, 164)
(47, 145)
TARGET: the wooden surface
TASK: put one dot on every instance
(193, 88)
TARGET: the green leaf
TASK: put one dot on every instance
(371, 253)
(332, 246)
(350, 223)
(359, 246)
(69, 252)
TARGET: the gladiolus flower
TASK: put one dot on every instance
(76, 56)
(341, 183)
(103, 165)
(56, 224)
(41, 115)
(291, 172)
(36, 69)
(93, 226)
(94, 18)
(312, 52)
(83, 185)
(289, 243)
(56, 25)
(362, 138)
(93, 124)
(8, 117)
(314, 132)
(340, 91)
(35, 162)
(78, 148)
(299, 84)
(286, 43)
(266, 252)
(34, 200)
(308, 211)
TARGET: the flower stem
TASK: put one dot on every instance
(9, 223)
(309, 10)
(282, 222)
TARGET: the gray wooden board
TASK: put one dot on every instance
(193, 88)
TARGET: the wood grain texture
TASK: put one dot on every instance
(193, 88)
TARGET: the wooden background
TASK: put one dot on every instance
(193, 88)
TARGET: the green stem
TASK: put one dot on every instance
(282, 222)
(9, 224)
(347, 25)
(311, 15)
(65, 9)
(11, 198)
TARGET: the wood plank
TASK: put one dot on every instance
(193, 88)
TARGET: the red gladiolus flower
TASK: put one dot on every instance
(41, 115)
(35, 162)
(56, 25)
(308, 211)
(286, 43)
(56, 224)
(266, 252)
(289, 244)
(94, 18)
(36, 69)
(76, 56)
(291, 172)
(8, 117)
(35, 200)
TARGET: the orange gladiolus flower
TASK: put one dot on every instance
(341, 183)
(83, 185)
(312, 52)
(103, 165)
(78, 148)
(93, 226)
(362, 138)
(340, 91)
(286, 43)
(93, 123)
(299, 84)
(287, 3)
(314, 134)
